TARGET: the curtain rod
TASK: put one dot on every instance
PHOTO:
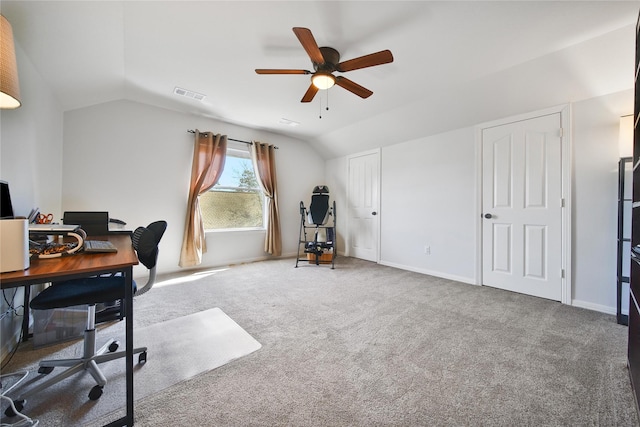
(231, 139)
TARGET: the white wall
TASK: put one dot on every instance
(597, 66)
(31, 144)
(31, 161)
(428, 198)
(595, 193)
(336, 180)
(149, 152)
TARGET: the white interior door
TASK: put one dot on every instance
(522, 207)
(364, 203)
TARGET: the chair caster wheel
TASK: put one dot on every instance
(114, 346)
(19, 404)
(95, 393)
(45, 370)
(142, 357)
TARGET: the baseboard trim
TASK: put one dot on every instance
(467, 280)
(575, 303)
(594, 307)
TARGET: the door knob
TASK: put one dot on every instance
(374, 213)
(488, 216)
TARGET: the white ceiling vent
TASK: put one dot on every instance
(288, 122)
(189, 94)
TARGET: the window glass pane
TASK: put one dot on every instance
(236, 201)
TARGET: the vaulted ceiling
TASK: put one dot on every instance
(455, 63)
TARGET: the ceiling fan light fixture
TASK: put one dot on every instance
(323, 80)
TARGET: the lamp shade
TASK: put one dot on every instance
(625, 136)
(9, 85)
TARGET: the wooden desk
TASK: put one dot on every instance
(86, 265)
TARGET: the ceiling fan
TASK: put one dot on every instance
(325, 61)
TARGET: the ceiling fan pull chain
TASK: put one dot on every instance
(320, 101)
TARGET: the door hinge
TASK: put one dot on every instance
(562, 273)
(562, 203)
(561, 133)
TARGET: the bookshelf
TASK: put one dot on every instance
(633, 351)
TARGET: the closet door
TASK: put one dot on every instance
(522, 207)
(364, 205)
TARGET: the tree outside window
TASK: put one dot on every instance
(236, 201)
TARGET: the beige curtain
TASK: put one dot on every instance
(264, 162)
(208, 162)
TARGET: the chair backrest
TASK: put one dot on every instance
(93, 223)
(158, 228)
(145, 241)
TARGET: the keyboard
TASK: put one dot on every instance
(97, 246)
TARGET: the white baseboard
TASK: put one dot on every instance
(467, 280)
(595, 307)
(247, 260)
(575, 303)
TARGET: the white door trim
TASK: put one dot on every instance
(378, 152)
(565, 119)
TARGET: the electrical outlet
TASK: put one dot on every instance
(427, 250)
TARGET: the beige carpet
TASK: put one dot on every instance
(366, 345)
(171, 359)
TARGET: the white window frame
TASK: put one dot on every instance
(240, 150)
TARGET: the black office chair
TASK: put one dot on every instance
(92, 291)
(96, 223)
(114, 310)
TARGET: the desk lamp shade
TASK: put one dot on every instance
(9, 85)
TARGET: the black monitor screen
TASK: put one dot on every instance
(6, 208)
(94, 223)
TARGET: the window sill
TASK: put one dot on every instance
(236, 230)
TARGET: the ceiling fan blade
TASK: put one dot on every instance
(279, 71)
(353, 87)
(309, 44)
(378, 58)
(311, 92)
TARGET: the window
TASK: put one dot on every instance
(236, 201)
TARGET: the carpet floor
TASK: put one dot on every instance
(370, 345)
(171, 359)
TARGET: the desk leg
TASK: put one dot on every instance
(127, 420)
(128, 301)
(25, 313)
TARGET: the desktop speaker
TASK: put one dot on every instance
(14, 245)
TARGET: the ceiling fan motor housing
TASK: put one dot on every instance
(331, 60)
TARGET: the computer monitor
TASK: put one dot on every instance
(6, 208)
(93, 223)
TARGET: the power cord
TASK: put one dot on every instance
(24, 420)
(13, 352)
(12, 310)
